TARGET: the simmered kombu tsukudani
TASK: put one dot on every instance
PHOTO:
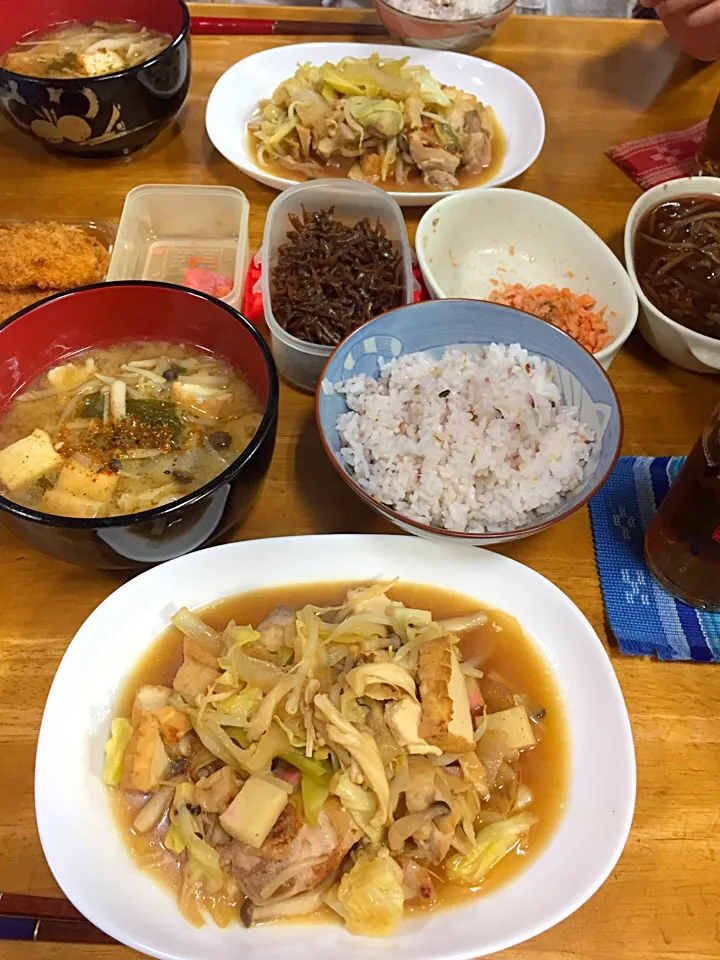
(330, 277)
(677, 261)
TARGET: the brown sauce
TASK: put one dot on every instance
(339, 169)
(501, 639)
(677, 261)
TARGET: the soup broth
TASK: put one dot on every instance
(124, 429)
(509, 662)
(76, 50)
(677, 261)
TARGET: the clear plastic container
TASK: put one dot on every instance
(298, 361)
(166, 229)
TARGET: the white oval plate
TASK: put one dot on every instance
(90, 859)
(234, 99)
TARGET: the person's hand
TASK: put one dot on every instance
(695, 24)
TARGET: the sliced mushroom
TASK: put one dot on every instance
(407, 826)
(298, 906)
(154, 810)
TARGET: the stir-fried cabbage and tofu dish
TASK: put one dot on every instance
(375, 120)
(338, 757)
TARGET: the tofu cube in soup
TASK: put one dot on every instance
(27, 460)
(82, 481)
(148, 698)
(66, 504)
(515, 724)
(252, 814)
(194, 678)
(174, 724)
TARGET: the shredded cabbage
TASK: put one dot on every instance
(359, 803)
(120, 733)
(371, 895)
(386, 116)
(314, 793)
(203, 860)
(241, 706)
(173, 841)
(491, 844)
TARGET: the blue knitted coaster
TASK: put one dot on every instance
(644, 617)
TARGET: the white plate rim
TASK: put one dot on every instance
(381, 549)
(216, 120)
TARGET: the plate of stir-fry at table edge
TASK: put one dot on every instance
(420, 124)
(388, 738)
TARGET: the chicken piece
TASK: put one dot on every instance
(433, 160)
(68, 375)
(418, 884)
(331, 839)
(49, 256)
(477, 153)
(101, 61)
(84, 482)
(446, 721)
(274, 628)
(403, 719)
(145, 759)
(174, 724)
(28, 459)
(193, 678)
(216, 792)
(204, 651)
(200, 400)
(435, 848)
(65, 504)
(440, 180)
(148, 698)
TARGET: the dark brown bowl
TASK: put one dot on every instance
(105, 313)
(104, 116)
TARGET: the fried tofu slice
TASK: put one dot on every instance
(446, 721)
(82, 481)
(64, 504)
(150, 697)
(145, 760)
(204, 651)
(49, 256)
(174, 724)
(28, 459)
(199, 399)
(216, 792)
(194, 678)
(69, 375)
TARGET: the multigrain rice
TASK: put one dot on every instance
(478, 441)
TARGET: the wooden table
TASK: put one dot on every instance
(600, 82)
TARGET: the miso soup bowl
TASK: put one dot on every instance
(684, 347)
(103, 314)
(104, 116)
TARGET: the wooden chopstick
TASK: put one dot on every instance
(219, 26)
(46, 919)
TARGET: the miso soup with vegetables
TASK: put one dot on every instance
(123, 429)
(348, 752)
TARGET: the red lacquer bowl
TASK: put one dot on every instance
(102, 116)
(50, 332)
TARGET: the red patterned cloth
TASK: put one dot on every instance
(666, 156)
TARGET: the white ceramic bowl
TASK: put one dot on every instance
(92, 864)
(680, 345)
(468, 239)
(234, 99)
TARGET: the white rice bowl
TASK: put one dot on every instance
(476, 442)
